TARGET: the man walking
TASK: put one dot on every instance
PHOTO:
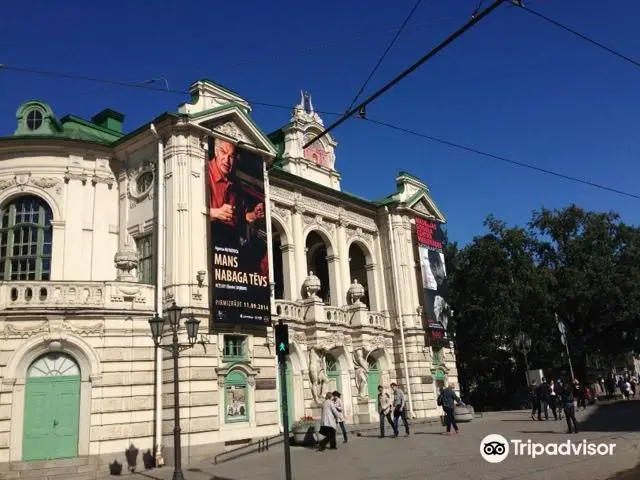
(448, 400)
(384, 410)
(399, 410)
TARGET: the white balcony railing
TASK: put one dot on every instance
(297, 311)
(76, 295)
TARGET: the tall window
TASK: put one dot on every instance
(234, 349)
(145, 258)
(25, 239)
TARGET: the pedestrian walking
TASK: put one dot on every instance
(399, 410)
(568, 402)
(328, 424)
(447, 400)
(542, 394)
(385, 407)
(553, 399)
(337, 400)
(533, 398)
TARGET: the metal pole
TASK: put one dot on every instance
(526, 364)
(285, 416)
(177, 454)
(566, 346)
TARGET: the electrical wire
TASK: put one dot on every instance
(384, 55)
(408, 71)
(371, 120)
(580, 35)
(506, 160)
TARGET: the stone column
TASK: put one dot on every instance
(58, 250)
(345, 271)
(335, 283)
(289, 270)
(299, 250)
(100, 269)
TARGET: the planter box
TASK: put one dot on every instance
(306, 437)
(464, 413)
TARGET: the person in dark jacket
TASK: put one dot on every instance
(448, 400)
(533, 398)
(543, 399)
(569, 407)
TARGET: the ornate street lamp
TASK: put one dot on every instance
(522, 342)
(156, 323)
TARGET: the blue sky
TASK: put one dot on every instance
(513, 85)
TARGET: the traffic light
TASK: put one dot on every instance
(282, 339)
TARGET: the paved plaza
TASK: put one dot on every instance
(426, 453)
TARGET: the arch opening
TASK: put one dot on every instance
(358, 269)
(317, 262)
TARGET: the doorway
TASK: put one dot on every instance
(52, 407)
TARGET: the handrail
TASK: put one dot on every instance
(262, 445)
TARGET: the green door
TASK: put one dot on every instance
(333, 374)
(51, 414)
(290, 398)
(373, 380)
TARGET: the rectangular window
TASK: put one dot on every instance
(144, 246)
(234, 348)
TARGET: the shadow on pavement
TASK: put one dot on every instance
(623, 416)
(541, 431)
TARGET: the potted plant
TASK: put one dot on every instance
(304, 431)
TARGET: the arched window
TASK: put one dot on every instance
(236, 405)
(25, 239)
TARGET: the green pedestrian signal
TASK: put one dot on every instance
(282, 339)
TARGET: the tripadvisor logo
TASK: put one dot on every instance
(495, 448)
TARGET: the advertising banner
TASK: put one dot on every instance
(237, 249)
(436, 313)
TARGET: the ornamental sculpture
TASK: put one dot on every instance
(126, 261)
(355, 293)
(317, 375)
(362, 371)
(311, 286)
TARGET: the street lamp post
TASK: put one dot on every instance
(522, 342)
(157, 332)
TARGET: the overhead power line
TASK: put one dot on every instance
(381, 59)
(506, 160)
(582, 36)
(373, 121)
(361, 107)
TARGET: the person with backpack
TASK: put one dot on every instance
(447, 400)
(384, 409)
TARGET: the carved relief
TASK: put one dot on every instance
(379, 342)
(280, 211)
(232, 130)
(22, 180)
(337, 339)
(357, 234)
(12, 331)
(300, 338)
(281, 193)
(94, 329)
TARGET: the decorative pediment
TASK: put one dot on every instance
(232, 122)
(423, 205)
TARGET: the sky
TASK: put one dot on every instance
(513, 86)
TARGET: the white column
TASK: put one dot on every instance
(335, 283)
(73, 239)
(289, 277)
(381, 282)
(100, 234)
(57, 250)
(299, 251)
(343, 260)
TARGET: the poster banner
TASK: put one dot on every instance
(436, 313)
(237, 249)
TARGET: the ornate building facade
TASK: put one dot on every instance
(83, 252)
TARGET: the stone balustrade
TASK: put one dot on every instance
(69, 295)
(299, 311)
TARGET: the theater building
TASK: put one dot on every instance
(83, 251)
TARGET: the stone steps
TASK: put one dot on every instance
(81, 468)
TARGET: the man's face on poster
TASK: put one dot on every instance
(225, 156)
(437, 268)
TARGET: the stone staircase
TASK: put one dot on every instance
(81, 468)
